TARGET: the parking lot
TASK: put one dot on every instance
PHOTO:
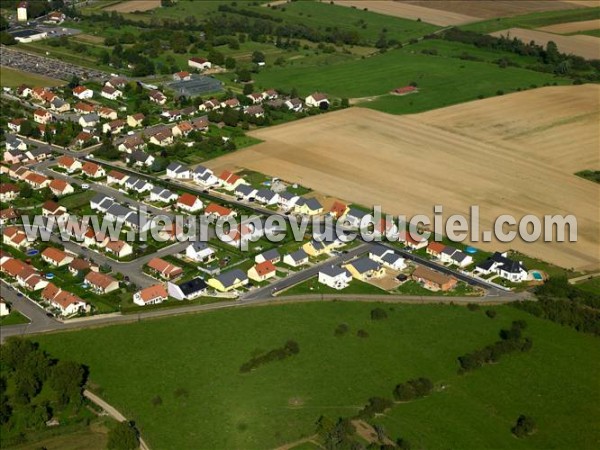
(28, 62)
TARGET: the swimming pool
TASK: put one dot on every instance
(537, 276)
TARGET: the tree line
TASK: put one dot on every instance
(290, 348)
(566, 304)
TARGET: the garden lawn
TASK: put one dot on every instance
(217, 407)
(441, 81)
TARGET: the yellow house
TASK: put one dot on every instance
(318, 248)
(228, 281)
(308, 206)
(364, 269)
(135, 120)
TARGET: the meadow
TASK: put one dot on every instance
(535, 20)
(13, 77)
(442, 81)
(179, 378)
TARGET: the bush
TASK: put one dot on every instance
(524, 427)
(341, 329)
(490, 313)
(362, 334)
(473, 307)
(378, 314)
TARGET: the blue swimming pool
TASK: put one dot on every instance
(537, 276)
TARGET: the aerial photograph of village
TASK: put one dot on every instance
(299, 224)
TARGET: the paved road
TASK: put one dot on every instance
(40, 322)
(298, 277)
(112, 411)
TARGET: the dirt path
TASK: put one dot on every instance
(112, 411)
(312, 439)
(368, 433)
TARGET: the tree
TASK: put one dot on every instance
(230, 63)
(524, 427)
(26, 191)
(378, 314)
(67, 379)
(404, 392)
(244, 75)
(258, 57)
(248, 89)
(75, 81)
(15, 350)
(123, 436)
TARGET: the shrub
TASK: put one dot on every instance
(524, 427)
(473, 307)
(378, 314)
(362, 334)
(490, 313)
(341, 329)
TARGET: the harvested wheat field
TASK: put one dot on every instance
(410, 11)
(572, 27)
(133, 6)
(500, 153)
(487, 9)
(586, 46)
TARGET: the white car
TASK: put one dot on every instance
(85, 186)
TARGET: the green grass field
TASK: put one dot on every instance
(12, 78)
(14, 318)
(200, 355)
(442, 81)
(535, 20)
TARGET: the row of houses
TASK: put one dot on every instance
(36, 180)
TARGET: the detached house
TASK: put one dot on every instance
(107, 113)
(317, 100)
(60, 188)
(131, 144)
(59, 105)
(204, 176)
(140, 159)
(114, 127)
(117, 82)
(138, 185)
(338, 209)
(119, 248)
(199, 63)
(228, 281)
(267, 197)
(42, 116)
(270, 255)
(433, 280)
(365, 269)
(66, 302)
(116, 177)
(135, 120)
(294, 104)
(178, 171)
(152, 295)
(36, 180)
(507, 268)
(89, 120)
(82, 93)
(157, 97)
(230, 181)
(68, 163)
(101, 283)
(296, 259)
(15, 237)
(188, 290)
(111, 93)
(162, 138)
(335, 277)
(262, 271)
(164, 269)
(199, 251)
(93, 170)
(8, 192)
(182, 76)
(216, 211)
(255, 98)
(56, 257)
(162, 195)
(189, 203)
(83, 108)
(308, 206)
